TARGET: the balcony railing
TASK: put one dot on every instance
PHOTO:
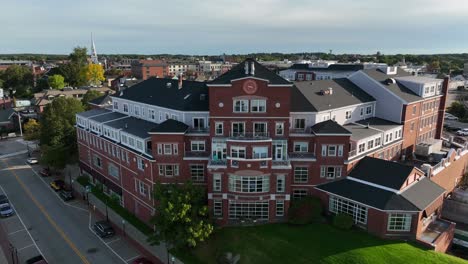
(197, 154)
(306, 130)
(302, 155)
(352, 153)
(198, 130)
(220, 163)
(280, 163)
(249, 136)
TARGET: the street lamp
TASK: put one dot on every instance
(123, 227)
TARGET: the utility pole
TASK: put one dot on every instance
(19, 121)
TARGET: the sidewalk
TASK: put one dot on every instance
(138, 238)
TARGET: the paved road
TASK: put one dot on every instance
(59, 230)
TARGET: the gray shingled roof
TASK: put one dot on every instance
(107, 117)
(360, 132)
(261, 72)
(423, 193)
(379, 123)
(6, 114)
(329, 127)
(166, 93)
(93, 112)
(133, 126)
(170, 126)
(332, 67)
(398, 89)
(345, 93)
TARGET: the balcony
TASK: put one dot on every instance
(197, 155)
(302, 156)
(304, 131)
(352, 153)
(251, 136)
(281, 164)
(198, 130)
(217, 163)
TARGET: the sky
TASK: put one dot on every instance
(212, 27)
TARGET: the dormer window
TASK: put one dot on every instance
(116, 105)
(125, 108)
(241, 106)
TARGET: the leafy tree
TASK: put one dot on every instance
(90, 95)
(32, 130)
(457, 109)
(58, 134)
(113, 72)
(56, 81)
(95, 74)
(74, 72)
(41, 84)
(181, 218)
(79, 56)
(19, 78)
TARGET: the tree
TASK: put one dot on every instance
(90, 95)
(32, 130)
(58, 134)
(181, 215)
(56, 81)
(74, 72)
(19, 78)
(457, 109)
(79, 56)
(95, 74)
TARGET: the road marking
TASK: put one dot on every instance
(51, 221)
(12, 233)
(55, 193)
(115, 240)
(102, 240)
(13, 154)
(25, 228)
(26, 247)
(130, 259)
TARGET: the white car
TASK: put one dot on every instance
(463, 132)
(450, 117)
(32, 161)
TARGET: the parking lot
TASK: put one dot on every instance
(45, 224)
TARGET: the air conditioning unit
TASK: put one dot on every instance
(234, 163)
(263, 163)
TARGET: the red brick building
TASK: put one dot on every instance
(253, 139)
(145, 69)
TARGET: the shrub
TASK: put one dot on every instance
(304, 211)
(83, 180)
(343, 221)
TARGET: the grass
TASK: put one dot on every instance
(124, 213)
(316, 243)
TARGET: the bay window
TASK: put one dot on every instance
(399, 222)
(260, 152)
(249, 184)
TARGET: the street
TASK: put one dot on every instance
(43, 223)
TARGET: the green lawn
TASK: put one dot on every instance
(317, 243)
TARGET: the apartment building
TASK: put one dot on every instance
(254, 140)
(144, 69)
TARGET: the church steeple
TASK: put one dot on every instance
(94, 57)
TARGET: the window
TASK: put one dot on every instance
(197, 171)
(249, 184)
(113, 170)
(140, 164)
(139, 145)
(169, 170)
(368, 110)
(142, 188)
(219, 130)
(331, 150)
(137, 110)
(299, 123)
(301, 174)
(414, 110)
(358, 212)
(340, 150)
(237, 152)
(238, 129)
(362, 111)
(279, 129)
(399, 222)
(324, 150)
(279, 208)
(348, 115)
(258, 106)
(370, 144)
(301, 147)
(260, 152)
(131, 141)
(280, 183)
(412, 126)
(197, 145)
(97, 161)
(253, 210)
(160, 116)
(198, 123)
(299, 193)
(260, 129)
(125, 108)
(330, 172)
(217, 182)
(116, 105)
(167, 149)
(241, 106)
(217, 207)
(362, 147)
(152, 114)
(377, 142)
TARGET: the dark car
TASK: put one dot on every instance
(45, 172)
(6, 210)
(36, 260)
(3, 199)
(103, 229)
(57, 185)
(142, 260)
(66, 195)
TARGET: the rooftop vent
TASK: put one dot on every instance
(390, 81)
(168, 85)
(328, 91)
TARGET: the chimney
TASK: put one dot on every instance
(180, 81)
(330, 90)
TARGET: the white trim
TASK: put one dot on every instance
(375, 185)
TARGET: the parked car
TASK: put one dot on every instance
(32, 161)
(45, 172)
(103, 229)
(6, 210)
(463, 132)
(142, 260)
(57, 185)
(450, 117)
(36, 260)
(3, 199)
(66, 195)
